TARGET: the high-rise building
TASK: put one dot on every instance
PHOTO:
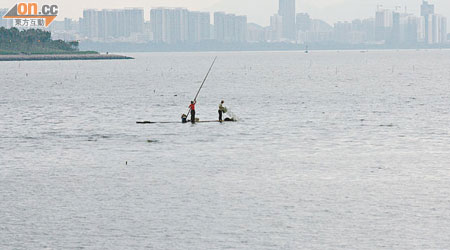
(199, 26)
(219, 26)
(443, 30)
(428, 29)
(112, 23)
(170, 25)
(435, 28)
(179, 29)
(276, 28)
(194, 23)
(383, 24)
(204, 30)
(230, 24)
(116, 23)
(439, 29)
(134, 21)
(179, 25)
(240, 29)
(156, 24)
(368, 27)
(68, 24)
(89, 26)
(102, 24)
(395, 37)
(229, 27)
(229, 34)
(405, 29)
(414, 30)
(427, 11)
(287, 12)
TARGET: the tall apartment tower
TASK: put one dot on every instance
(90, 23)
(112, 23)
(219, 26)
(240, 29)
(199, 26)
(276, 28)
(287, 12)
(156, 24)
(427, 12)
(426, 9)
(170, 25)
(229, 27)
(134, 20)
(383, 24)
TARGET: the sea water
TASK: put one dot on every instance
(332, 150)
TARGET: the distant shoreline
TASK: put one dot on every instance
(56, 57)
(211, 46)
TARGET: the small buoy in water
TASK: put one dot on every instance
(126, 163)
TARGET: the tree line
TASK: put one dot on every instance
(32, 41)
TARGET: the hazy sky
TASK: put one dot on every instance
(258, 11)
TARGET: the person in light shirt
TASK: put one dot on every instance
(222, 110)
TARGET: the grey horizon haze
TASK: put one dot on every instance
(257, 11)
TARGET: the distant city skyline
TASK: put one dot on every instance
(257, 11)
(389, 27)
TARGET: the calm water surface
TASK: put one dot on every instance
(333, 150)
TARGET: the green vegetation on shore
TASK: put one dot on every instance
(35, 41)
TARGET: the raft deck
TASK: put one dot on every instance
(211, 121)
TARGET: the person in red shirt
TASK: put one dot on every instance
(192, 109)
